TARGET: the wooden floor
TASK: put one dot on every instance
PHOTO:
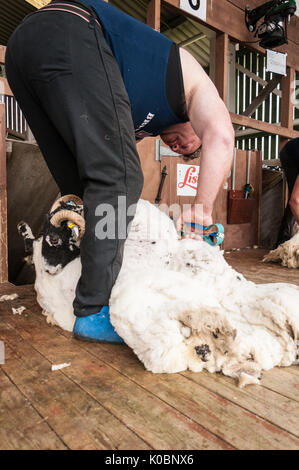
(106, 400)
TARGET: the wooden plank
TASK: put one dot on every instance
(174, 198)
(263, 126)
(271, 85)
(282, 415)
(283, 381)
(263, 402)
(3, 199)
(4, 87)
(258, 194)
(153, 420)
(287, 95)
(249, 263)
(151, 169)
(241, 235)
(287, 102)
(80, 421)
(294, 370)
(2, 54)
(153, 17)
(229, 421)
(281, 405)
(256, 78)
(221, 65)
(7, 287)
(21, 426)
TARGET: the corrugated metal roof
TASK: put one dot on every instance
(175, 26)
(11, 14)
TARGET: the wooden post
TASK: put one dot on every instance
(2, 54)
(153, 17)
(231, 88)
(287, 102)
(3, 201)
(221, 65)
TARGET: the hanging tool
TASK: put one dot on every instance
(213, 234)
(163, 176)
(248, 188)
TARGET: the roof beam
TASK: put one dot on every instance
(177, 21)
(191, 40)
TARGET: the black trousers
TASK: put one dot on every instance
(289, 157)
(68, 84)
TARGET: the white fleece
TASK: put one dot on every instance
(287, 254)
(179, 305)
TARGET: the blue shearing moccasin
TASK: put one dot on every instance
(96, 328)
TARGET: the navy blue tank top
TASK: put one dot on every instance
(142, 56)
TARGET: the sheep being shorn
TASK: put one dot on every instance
(53, 255)
(179, 305)
(287, 254)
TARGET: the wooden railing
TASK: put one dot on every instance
(16, 125)
(4, 91)
(4, 87)
(3, 198)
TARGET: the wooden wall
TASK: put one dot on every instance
(3, 198)
(245, 234)
(236, 235)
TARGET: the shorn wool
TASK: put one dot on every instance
(287, 254)
(179, 305)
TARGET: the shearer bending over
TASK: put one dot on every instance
(92, 81)
(289, 157)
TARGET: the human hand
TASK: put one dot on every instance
(193, 214)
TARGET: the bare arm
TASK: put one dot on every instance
(294, 200)
(210, 120)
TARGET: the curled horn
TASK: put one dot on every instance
(63, 215)
(67, 198)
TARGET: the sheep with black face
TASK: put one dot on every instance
(53, 255)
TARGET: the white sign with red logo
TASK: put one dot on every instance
(187, 179)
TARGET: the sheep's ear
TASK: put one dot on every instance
(27, 235)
